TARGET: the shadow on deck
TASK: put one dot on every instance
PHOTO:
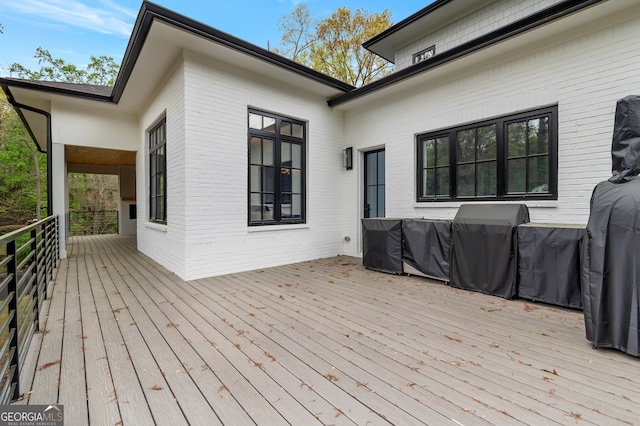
(322, 342)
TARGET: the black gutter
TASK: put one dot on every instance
(528, 23)
(150, 11)
(51, 87)
(18, 107)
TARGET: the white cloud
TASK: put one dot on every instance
(110, 18)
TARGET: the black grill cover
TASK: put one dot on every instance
(549, 264)
(382, 244)
(625, 146)
(427, 246)
(611, 255)
(484, 248)
(611, 267)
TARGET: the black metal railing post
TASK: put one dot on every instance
(12, 294)
(36, 293)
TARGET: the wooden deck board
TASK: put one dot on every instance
(46, 379)
(461, 355)
(101, 395)
(127, 393)
(72, 368)
(324, 342)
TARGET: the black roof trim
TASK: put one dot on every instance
(530, 22)
(405, 22)
(87, 91)
(150, 11)
(18, 109)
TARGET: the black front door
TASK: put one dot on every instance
(374, 184)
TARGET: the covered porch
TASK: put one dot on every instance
(125, 341)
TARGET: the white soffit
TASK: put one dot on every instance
(603, 15)
(164, 46)
(432, 21)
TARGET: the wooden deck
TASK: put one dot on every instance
(322, 342)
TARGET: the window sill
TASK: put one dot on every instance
(156, 226)
(541, 204)
(266, 228)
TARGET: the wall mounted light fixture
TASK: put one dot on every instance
(347, 158)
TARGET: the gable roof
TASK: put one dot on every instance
(150, 12)
(508, 32)
(158, 38)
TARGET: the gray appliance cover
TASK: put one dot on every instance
(611, 267)
(382, 244)
(484, 254)
(427, 246)
(549, 264)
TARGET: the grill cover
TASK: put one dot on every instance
(611, 267)
(611, 254)
(382, 244)
(427, 246)
(484, 255)
(549, 264)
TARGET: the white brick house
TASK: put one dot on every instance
(507, 101)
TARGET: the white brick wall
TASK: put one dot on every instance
(489, 18)
(584, 77)
(206, 105)
(217, 238)
(166, 245)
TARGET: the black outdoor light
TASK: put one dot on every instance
(347, 158)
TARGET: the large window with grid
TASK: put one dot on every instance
(276, 169)
(158, 173)
(511, 157)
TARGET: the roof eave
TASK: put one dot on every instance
(150, 11)
(370, 44)
(528, 23)
(42, 86)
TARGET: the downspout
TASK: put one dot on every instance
(47, 115)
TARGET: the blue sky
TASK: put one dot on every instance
(76, 29)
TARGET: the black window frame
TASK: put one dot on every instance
(502, 193)
(277, 170)
(158, 172)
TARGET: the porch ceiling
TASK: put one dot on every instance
(99, 156)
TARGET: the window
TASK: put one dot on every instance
(158, 173)
(423, 55)
(512, 157)
(276, 169)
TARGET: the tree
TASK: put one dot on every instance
(297, 35)
(21, 176)
(333, 45)
(93, 203)
(102, 70)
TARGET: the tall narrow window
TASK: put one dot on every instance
(476, 162)
(276, 169)
(528, 156)
(158, 173)
(434, 168)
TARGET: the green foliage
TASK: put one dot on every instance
(19, 174)
(93, 204)
(22, 168)
(333, 45)
(102, 70)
